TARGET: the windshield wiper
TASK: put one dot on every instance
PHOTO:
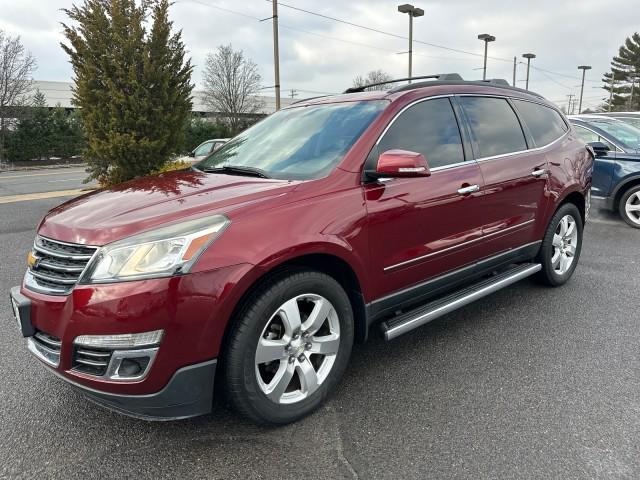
(239, 170)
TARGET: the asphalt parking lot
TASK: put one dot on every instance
(531, 382)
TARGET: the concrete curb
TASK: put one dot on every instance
(42, 167)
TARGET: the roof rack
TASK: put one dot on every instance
(495, 82)
(440, 76)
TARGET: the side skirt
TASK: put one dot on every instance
(425, 291)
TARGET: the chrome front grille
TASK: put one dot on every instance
(57, 266)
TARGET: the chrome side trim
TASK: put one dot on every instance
(473, 295)
(481, 159)
(459, 245)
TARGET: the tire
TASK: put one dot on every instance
(561, 246)
(629, 206)
(273, 373)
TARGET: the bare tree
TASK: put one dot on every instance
(231, 84)
(374, 76)
(16, 67)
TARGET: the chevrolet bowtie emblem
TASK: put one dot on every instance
(32, 260)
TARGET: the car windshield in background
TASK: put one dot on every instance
(623, 132)
(300, 143)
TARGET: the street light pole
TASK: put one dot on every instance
(413, 12)
(515, 63)
(584, 69)
(528, 56)
(486, 38)
(276, 53)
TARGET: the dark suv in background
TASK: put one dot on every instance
(262, 265)
(616, 172)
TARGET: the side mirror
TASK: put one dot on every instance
(599, 149)
(401, 163)
(192, 154)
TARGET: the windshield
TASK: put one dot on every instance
(620, 131)
(633, 121)
(300, 143)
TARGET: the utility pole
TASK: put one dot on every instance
(276, 53)
(515, 62)
(413, 12)
(584, 69)
(613, 82)
(294, 93)
(569, 104)
(528, 56)
(486, 38)
(633, 83)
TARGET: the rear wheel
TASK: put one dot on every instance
(629, 206)
(561, 246)
(289, 347)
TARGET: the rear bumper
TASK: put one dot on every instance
(189, 393)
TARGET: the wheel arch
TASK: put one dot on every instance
(623, 187)
(329, 263)
(575, 197)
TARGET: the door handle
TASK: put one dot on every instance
(538, 172)
(468, 190)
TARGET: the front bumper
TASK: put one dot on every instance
(192, 310)
(189, 393)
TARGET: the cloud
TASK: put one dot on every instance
(318, 54)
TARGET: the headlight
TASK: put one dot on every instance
(158, 253)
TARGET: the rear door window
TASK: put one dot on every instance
(430, 128)
(494, 125)
(544, 123)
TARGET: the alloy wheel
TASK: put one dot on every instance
(297, 348)
(565, 242)
(632, 208)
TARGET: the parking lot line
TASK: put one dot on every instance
(40, 196)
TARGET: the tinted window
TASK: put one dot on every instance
(429, 128)
(587, 136)
(544, 123)
(494, 125)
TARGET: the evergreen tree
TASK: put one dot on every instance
(624, 77)
(132, 85)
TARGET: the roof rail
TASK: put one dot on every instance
(440, 76)
(494, 82)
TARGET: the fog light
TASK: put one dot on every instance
(130, 365)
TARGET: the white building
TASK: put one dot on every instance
(60, 93)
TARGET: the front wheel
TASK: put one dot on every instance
(561, 246)
(630, 206)
(289, 347)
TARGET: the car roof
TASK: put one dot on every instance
(428, 88)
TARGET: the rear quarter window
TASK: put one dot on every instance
(494, 125)
(544, 123)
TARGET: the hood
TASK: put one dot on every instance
(107, 215)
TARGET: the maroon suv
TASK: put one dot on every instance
(256, 270)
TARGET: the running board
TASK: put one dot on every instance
(408, 321)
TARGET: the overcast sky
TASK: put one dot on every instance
(321, 55)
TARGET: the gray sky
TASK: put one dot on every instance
(320, 55)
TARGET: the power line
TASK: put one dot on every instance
(389, 34)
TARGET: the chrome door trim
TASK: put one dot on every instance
(459, 245)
